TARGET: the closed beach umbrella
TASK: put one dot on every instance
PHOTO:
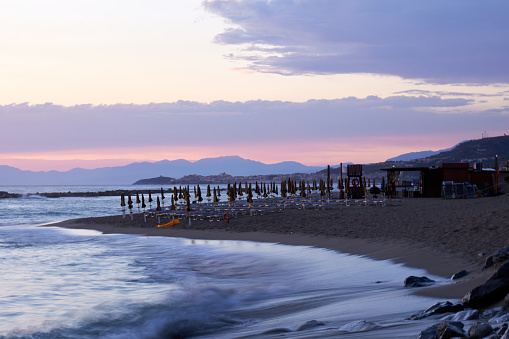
(199, 194)
(158, 208)
(188, 203)
(328, 178)
(150, 199)
(162, 193)
(208, 191)
(215, 199)
(143, 201)
(249, 193)
(122, 200)
(218, 191)
(173, 208)
(129, 202)
(138, 201)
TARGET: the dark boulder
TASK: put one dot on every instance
(494, 312)
(493, 290)
(497, 259)
(502, 329)
(413, 281)
(432, 331)
(448, 330)
(429, 333)
(459, 275)
(479, 330)
(438, 308)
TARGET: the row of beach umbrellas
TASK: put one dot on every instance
(236, 191)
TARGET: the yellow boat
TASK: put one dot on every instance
(171, 223)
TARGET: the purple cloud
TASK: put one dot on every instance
(452, 41)
(35, 128)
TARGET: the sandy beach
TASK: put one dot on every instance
(441, 236)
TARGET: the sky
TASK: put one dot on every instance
(106, 83)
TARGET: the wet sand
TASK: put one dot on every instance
(441, 236)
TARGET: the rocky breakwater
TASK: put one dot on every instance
(7, 195)
(482, 313)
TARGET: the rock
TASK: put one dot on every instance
(493, 312)
(500, 319)
(505, 335)
(493, 290)
(497, 259)
(450, 330)
(463, 315)
(277, 331)
(429, 333)
(359, 326)
(493, 336)
(459, 275)
(506, 300)
(438, 308)
(502, 329)
(413, 281)
(479, 330)
(310, 324)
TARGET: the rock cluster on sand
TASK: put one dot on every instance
(494, 290)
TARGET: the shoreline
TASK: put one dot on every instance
(441, 236)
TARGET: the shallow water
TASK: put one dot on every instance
(60, 283)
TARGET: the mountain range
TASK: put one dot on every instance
(126, 175)
(480, 150)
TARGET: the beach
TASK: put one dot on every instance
(441, 236)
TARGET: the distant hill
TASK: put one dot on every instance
(480, 150)
(418, 155)
(126, 175)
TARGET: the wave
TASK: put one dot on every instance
(181, 316)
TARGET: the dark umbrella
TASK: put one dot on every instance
(129, 202)
(188, 202)
(138, 201)
(249, 194)
(150, 199)
(215, 199)
(143, 201)
(122, 203)
(199, 194)
(158, 208)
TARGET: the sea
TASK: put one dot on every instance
(66, 283)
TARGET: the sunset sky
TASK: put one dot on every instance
(105, 83)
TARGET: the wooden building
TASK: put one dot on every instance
(431, 178)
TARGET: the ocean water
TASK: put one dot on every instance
(62, 283)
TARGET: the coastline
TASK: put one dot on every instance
(441, 236)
